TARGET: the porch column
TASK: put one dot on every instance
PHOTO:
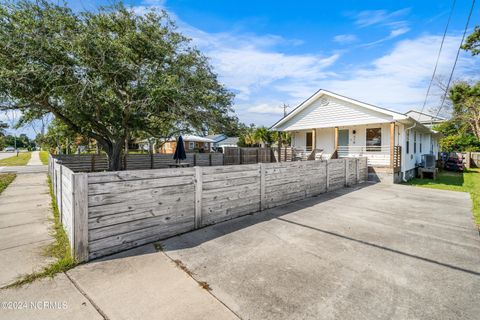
(314, 139)
(392, 143)
(336, 138)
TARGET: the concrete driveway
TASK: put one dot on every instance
(377, 252)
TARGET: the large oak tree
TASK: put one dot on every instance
(107, 74)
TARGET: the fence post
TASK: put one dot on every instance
(92, 163)
(240, 155)
(151, 160)
(80, 216)
(262, 186)
(327, 175)
(467, 160)
(357, 169)
(210, 159)
(198, 197)
(346, 171)
(60, 203)
(194, 159)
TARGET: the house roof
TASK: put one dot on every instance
(217, 137)
(424, 117)
(231, 141)
(193, 139)
(395, 116)
(322, 92)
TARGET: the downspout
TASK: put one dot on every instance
(403, 172)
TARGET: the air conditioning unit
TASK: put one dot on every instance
(428, 160)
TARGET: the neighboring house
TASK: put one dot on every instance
(336, 126)
(192, 144)
(222, 140)
(426, 119)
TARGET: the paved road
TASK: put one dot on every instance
(381, 252)
(4, 155)
(24, 169)
(34, 165)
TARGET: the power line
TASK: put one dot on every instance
(456, 58)
(438, 58)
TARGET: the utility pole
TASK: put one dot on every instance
(285, 106)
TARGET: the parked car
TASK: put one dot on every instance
(9, 149)
(454, 163)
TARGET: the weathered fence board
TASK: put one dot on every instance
(107, 212)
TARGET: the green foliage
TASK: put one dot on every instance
(5, 180)
(459, 143)
(107, 74)
(462, 131)
(472, 43)
(254, 137)
(16, 160)
(44, 157)
(466, 105)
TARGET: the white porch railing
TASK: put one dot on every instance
(376, 155)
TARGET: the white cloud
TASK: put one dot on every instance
(345, 38)
(381, 17)
(267, 108)
(393, 34)
(400, 78)
(248, 63)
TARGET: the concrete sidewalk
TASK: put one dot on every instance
(25, 227)
(35, 159)
(136, 284)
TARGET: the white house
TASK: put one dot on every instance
(328, 125)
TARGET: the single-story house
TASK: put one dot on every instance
(330, 125)
(192, 144)
(221, 140)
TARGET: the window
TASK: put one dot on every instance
(191, 145)
(414, 141)
(421, 137)
(374, 139)
(407, 147)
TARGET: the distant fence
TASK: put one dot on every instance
(231, 156)
(475, 159)
(107, 212)
(470, 159)
(238, 155)
(94, 162)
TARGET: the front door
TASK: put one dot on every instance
(343, 137)
(309, 141)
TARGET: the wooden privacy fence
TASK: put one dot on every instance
(107, 212)
(237, 155)
(94, 162)
(475, 159)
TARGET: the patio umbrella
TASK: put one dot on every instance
(180, 150)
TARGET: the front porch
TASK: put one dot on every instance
(378, 142)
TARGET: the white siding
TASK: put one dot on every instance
(329, 112)
(326, 141)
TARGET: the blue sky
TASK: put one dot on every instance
(274, 52)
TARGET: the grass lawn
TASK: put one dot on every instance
(44, 157)
(5, 180)
(21, 160)
(469, 181)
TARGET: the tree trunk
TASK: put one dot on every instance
(115, 156)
